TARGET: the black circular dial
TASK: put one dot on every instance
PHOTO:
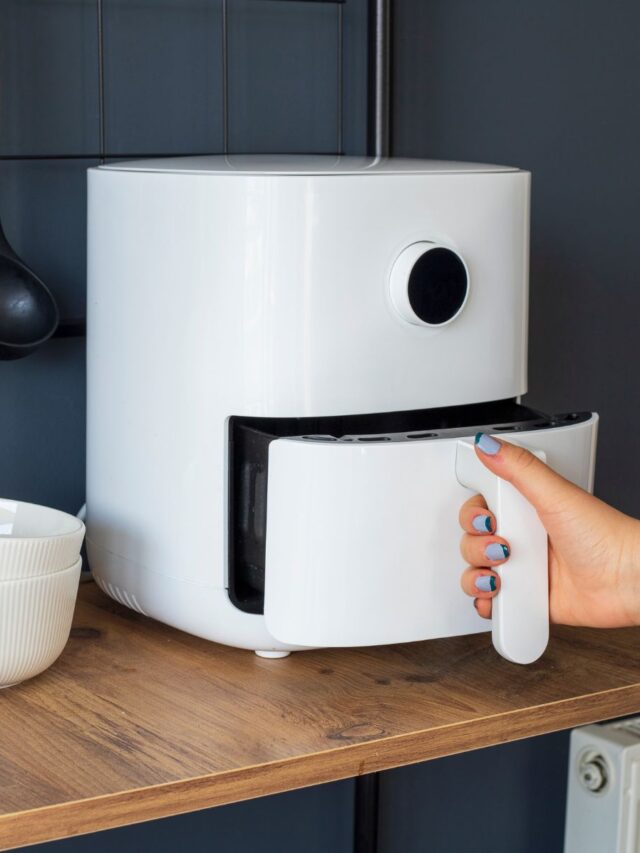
(437, 286)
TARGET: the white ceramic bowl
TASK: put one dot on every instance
(35, 620)
(36, 540)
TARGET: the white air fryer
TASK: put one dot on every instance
(288, 358)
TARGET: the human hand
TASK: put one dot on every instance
(594, 550)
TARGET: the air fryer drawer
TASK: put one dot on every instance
(362, 539)
(250, 440)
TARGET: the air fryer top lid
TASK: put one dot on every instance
(287, 164)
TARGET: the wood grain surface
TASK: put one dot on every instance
(139, 721)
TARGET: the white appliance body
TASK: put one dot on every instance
(270, 292)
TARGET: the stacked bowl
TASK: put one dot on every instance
(39, 574)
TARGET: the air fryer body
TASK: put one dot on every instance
(238, 304)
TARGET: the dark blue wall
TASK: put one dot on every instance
(313, 820)
(550, 87)
(509, 799)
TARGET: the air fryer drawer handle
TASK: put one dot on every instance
(520, 614)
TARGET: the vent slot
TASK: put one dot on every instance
(120, 595)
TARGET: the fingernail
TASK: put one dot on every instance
(496, 551)
(487, 444)
(481, 523)
(486, 583)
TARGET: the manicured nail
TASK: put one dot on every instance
(481, 523)
(496, 551)
(487, 444)
(486, 583)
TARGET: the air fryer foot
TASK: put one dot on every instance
(272, 655)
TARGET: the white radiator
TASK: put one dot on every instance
(603, 801)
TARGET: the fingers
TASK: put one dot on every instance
(483, 606)
(475, 518)
(480, 584)
(539, 484)
(484, 550)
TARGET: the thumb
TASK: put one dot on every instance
(538, 483)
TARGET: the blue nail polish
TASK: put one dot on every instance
(496, 551)
(487, 444)
(481, 523)
(486, 583)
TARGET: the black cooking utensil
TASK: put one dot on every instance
(28, 312)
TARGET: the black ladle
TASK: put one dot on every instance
(28, 311)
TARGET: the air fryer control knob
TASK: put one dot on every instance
(429, 284)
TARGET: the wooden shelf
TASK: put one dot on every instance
(138, 721)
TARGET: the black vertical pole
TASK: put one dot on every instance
(225, 77)
(102, 131)
(379, 79)
(365, 836)
(367, 788)
(340, 75)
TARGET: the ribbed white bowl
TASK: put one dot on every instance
(35, 620)
(36, 540)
